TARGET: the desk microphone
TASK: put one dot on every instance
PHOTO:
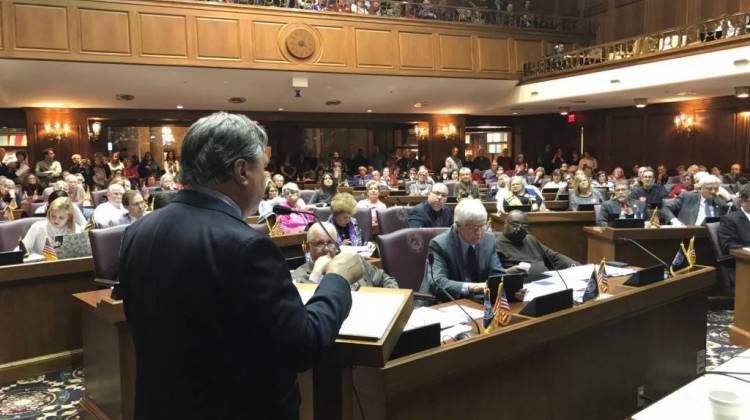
(643, 248)
(431, 259)
(282, 210)
(548, 263)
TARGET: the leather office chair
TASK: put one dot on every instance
(98, 197)
(404, 255)
(722, 295)
(306, 195)
(364, 219)
(392, 219)
(105, 248)
(323, 213)
(10, 232)
(33, 207)
(451, 188)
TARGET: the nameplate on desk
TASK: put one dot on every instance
(371, 314)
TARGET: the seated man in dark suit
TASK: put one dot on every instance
(515, 245)
(621, 206)
(734, 231)
(649, 191)
(692, 207)
(464, 256)
(321, 251)
(432, 213)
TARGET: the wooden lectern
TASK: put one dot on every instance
(739, 331)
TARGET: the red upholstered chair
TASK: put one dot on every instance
(404, 254)
(105, 248)
(10, 232)
(392, 219)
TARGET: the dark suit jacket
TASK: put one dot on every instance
(655, 195)
(734, 231)
(687, 205)
(449, 269)
(219, 329)
(533, 252)
(422, 215)
(613, 207)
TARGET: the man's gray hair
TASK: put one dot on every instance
(704, 178)
(316, 228)
(214, 143)
(470, 210)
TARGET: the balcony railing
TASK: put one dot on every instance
(712, 30)
(466, 12)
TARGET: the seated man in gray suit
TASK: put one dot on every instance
(734, 231)
(322, 251)
(692, 207)
(515, 245)
(621, 206)
(464, 256)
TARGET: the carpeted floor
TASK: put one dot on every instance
(57, 395)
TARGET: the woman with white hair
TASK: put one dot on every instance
(518, 194)
(292, 223)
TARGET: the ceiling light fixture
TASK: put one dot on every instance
(124, 97)
(179, 107)
(419, 104)
(236, 100)
(369, 110)
(742, 91)
(333, 102)
(281, 109)
(564, 110)
(640, 102)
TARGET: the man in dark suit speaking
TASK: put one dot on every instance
(219, 329)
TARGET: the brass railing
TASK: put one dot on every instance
(731, 26)
(464, 12)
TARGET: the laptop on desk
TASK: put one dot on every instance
(73, 246)
(11, 258)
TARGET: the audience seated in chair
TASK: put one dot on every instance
(60, 222)
(693, 207)
(343, 207)
(432, 212)
(320, 250)
(110, 213)
(621, 206)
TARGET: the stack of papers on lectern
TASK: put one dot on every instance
(426, 316)
(371, 313)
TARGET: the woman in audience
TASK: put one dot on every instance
(343, 207)
(292, 223)
(444, 174)
(618, 174)
(556, 182)
(32, 189)
(131, 172)
(602, 181)
(102, 173)
(148, 166)
(171, 164)
(685, 185)
(372, 201)
(269, 199)
(500, 188)
(521, 165)
(538, 179)
(339, 177)
(583, 193)
(390, 178)
(518, 194)
(115, 164)
(60, 222)
(558, 159)
(454, 175)
(325, 191)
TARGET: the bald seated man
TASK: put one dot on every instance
(432, 213)
(322, 250)
(515, 245)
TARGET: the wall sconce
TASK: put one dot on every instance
(95, 129)
(447, 131)
(684, 123)
(421, 132)
(57, 131)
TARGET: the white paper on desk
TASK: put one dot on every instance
(34, 258)
(426, 316)
(583, 272)
(454, 331)
(371, 313)
(454, 309)
(363, 251)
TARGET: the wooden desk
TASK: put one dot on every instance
(291, 245)
(581, 363)
(403, 200)
(739, 331)
(605, 243)
(561, 231)
(40, 326)
(557, 205)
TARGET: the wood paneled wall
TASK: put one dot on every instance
(185, 33)
(627, 136)
(619, 19)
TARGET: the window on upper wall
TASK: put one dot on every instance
(497, 141)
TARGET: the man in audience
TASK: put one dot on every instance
(515, 245)
(423, 185)
(621, 206)
(48, 170)
(649, 191)
(4, 169)
(732, 179)
(110, 213)
(588, 161)
(464, 256)
(81, 166)
(135, 205)
(481, 162)
(432, 213)
(322, 250)
(453, 161)
(223, 307)
(22, 167)
(466, 187)
(734, 231)
(278, 181)
(693, 207)
(490, 175)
